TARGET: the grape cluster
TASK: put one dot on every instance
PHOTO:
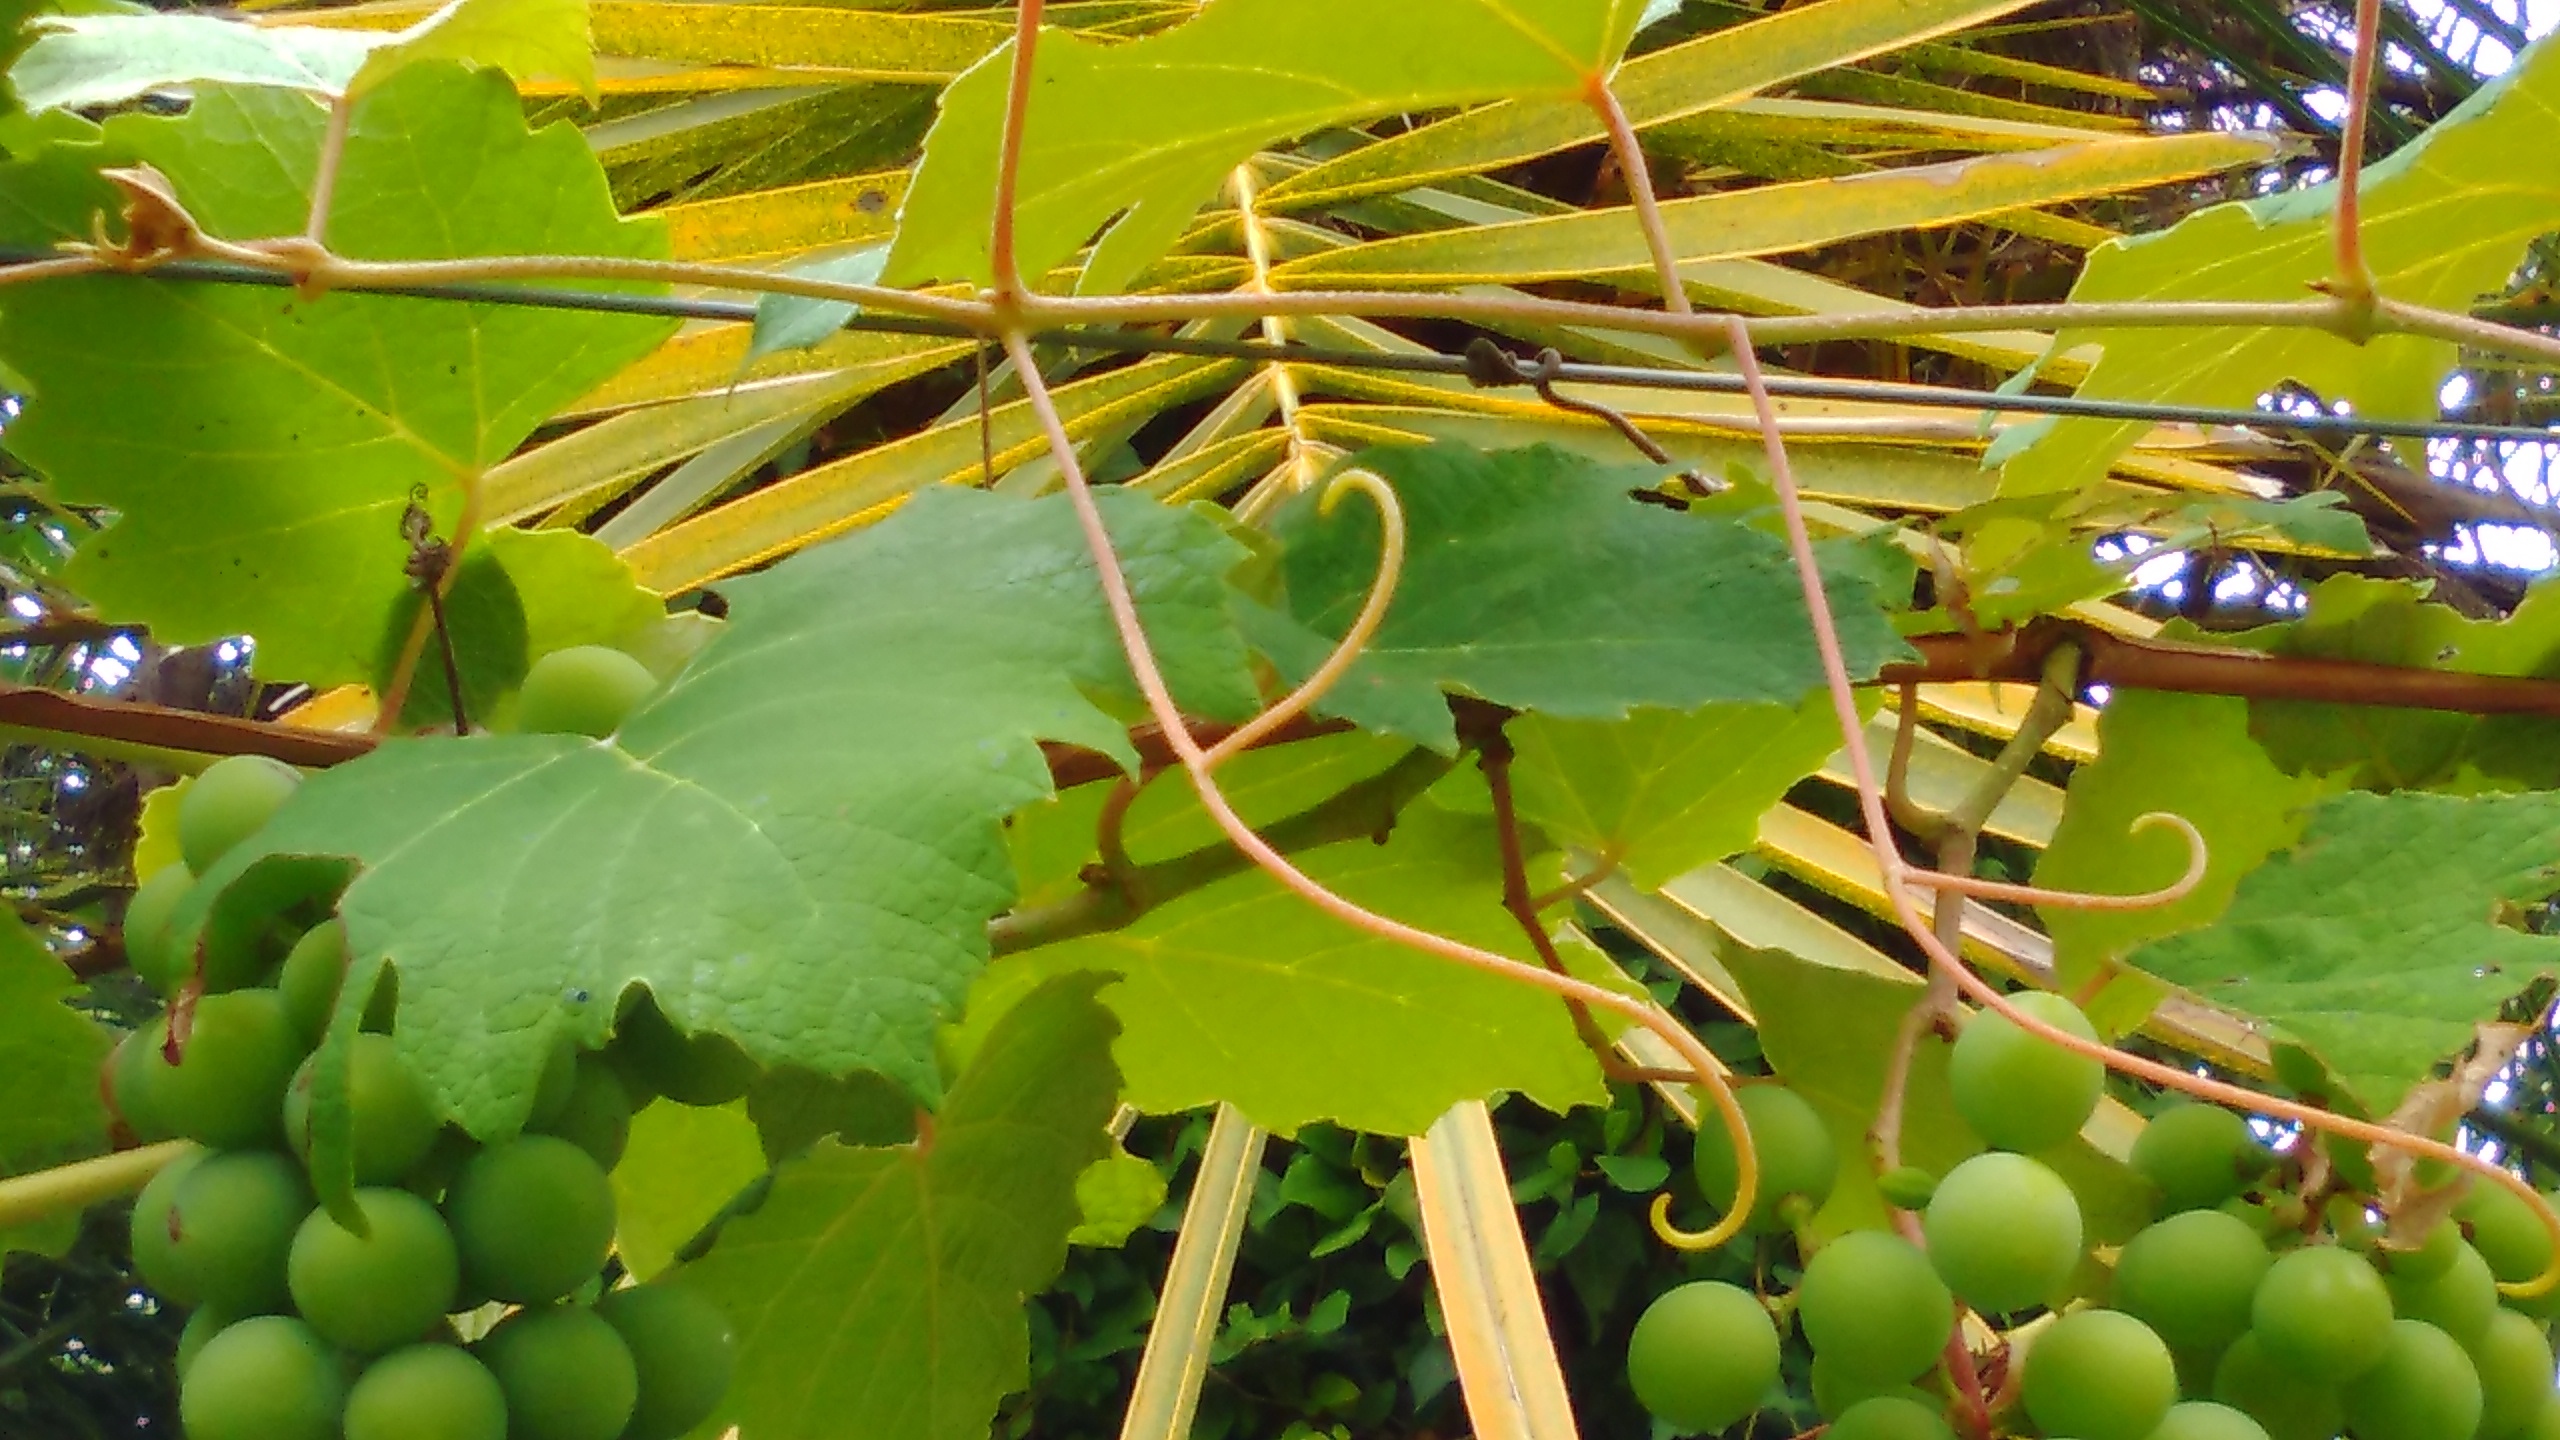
(2241, 1312)
(304, 1328)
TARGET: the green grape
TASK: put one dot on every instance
(1797, 1156)
(313, 970)
(2290, 1404)
(2004, 1232)
(1890, 1417)
(2192, 1277)
(2322, 1309)
(534, 1218)
(372, 1292)
(559, 1073)
(227, 803)
(269, 1378)
(227, 1088)
(2099, 1375)
(2199, 1156)
(2505, 1230)
(597, 1116)
(1907, 1187)
(2423, 1388)
(699, 1069)
(148, 946)
(426, 1392)
(567, 1375)
(2205, 1420)
(153, 1232)
(1873, 1304)
(2545, 1424)
(583, 690)
(207, 1322)
(395, 1124)
(1836, 1389)
(2424, 1261)
(2459, 1302)
(1701, 1357)
(2019, 1092)
(683, 1349)
(134, 1073)
(232, 1224)
(2513, 1358)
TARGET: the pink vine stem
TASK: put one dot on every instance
(1900, 874)
(2355, 278)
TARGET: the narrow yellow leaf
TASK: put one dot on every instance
(1497, 1324)
(850, 210)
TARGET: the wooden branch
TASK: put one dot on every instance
(131, 722)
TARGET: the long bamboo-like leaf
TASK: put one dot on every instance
(848, 210)
(1194, 1292)
(1488, 1292)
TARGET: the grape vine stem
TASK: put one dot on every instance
(1899, 876)
(25, 1199)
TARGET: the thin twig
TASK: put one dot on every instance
(1493, 758)
(1639, 177)
(2354, 280)
(324, 177)
(1017, 110)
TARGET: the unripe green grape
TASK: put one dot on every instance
(2423, 1388)
(1890, 1417)
(2021, 1092)
(1907, 1187)
(1701, 1357)
(2459, 1302)
(2505, 1229)
(698, 1069)
(2206, 1420)
(1836, 1389)
(583, 690)
(227, 1088)
(2322, 1309)
(148, 946)
(152, 1237)
(533, 1217)
(2513, 1358)
(2192, 1278)
(566, 1374)
(227, 803)
(134, 1073)
(2546, 1421)
(551, 1091)
(268, 1378)
(2099, 1375)
(395, 1125)
(232, 1225)
(2003, 1231)
(683, 1350)
(1794, 1147)
(313, 971)
(372, 1292)
(426, 1392)
(2199, 1156)
(207, 1322)
(597, 1117)
(2424, 1261)
(2290, 1404)
(1873, 1304)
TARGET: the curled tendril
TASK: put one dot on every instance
(1200, 764)
(2198, 858)
(1899, 874)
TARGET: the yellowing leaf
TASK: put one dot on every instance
(1151, 127)
(529, 39)
(2445, 219)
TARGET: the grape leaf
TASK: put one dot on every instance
(1242, 991)
(1114, 1196)
(1148, 129)
(2187, 755)
(1532, 580)
(258, 448)
(681, 1167)
(795, 843)
(888, 1285)
(50, 1110)
(1661, 792)
(80, 61)
(2445, 219)
(2376, 942)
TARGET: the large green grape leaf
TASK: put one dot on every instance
(2446, 218)
(1148, 129)
(1661, 792)
(680, 1169)
(797, 842)
(1243, 992)
(50, 1110)
(259, 448)
(1533, 580)
(79, 61)
(2377, 942)
(883, 1289)
(1829, 1033)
